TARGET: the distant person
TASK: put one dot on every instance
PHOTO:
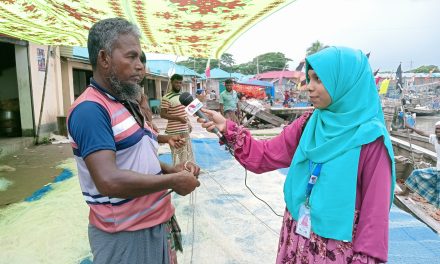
(270, 99)
(229, 102)
(178, 122)
(174, 141)
(143, 98)
(339, 187)
(201, 95)
(286, 98)
(292, 95)
(426, 182)
(213, 95)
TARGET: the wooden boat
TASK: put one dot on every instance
(290, 113)
(417, 209)
(415, 153)
(422, 110)
(415, 139)
(406, 154)
(254, 112)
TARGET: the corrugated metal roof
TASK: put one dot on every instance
(80, 53)
(256, 83)
(280, 74)
(408, 75)
(238, 76)
(157, 67)
(163, 67)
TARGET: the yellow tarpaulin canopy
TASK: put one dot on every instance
(196, 28)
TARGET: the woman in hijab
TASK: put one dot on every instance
(339, 187)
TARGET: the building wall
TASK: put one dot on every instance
(213, 84)
(423, 80)
(67, 66)
(24, 91)
(53, 99)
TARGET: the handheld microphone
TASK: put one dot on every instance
(193, 107)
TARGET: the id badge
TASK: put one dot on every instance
(304, 225)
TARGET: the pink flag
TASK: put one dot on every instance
(208, 69)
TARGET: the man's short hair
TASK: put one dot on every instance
(104, 34)
(176, 77)
(229, 81)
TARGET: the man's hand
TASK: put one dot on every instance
(185, 182)
(176, 141)
(183, 119)
(188, 166)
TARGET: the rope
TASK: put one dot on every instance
(193, 196)
(187, 222)
(416, 166)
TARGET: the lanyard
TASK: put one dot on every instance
(132, 108)
(312, 181)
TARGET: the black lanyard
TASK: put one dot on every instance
(135, 111)
(132, 107)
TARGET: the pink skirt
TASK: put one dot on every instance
(296, 249)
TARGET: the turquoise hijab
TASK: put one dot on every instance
(334, 137)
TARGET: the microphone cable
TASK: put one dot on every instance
(230, 149)
(245, 183)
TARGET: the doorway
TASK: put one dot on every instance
(10, 124)
(81, 80)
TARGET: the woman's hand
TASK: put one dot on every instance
(215, 120)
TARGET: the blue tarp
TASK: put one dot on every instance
(38, 194)
(410, 241)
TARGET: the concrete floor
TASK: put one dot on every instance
(10, 145)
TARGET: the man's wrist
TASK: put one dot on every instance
(167, 169)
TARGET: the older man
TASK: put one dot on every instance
(131, 217)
